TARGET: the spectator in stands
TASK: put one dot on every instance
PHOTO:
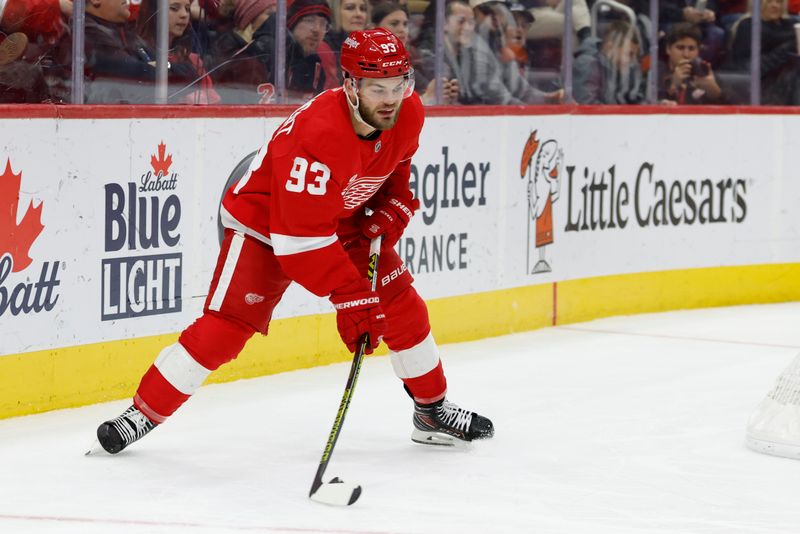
(489, 15)
(239, 58)
(306, 75)
(393, 17)
(40, 20)
(470, 60)
(459, 29)
(119, 64)
(199, 89)
(685, 77)
(608, 71)
(346, 16)
(208, 22)
(213, 8)
(643, 25)
(780, 65)
(43, 23)
(514, 23)
(517, 35)
(20, 81)
(425, 32)
(703, 14)
(544, 36)
(549, 16)
(12, 47)
(211, 19)
(730, 11)
(500, 30)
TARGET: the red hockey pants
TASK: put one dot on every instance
(248, 283)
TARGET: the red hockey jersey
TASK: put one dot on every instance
(307, 187)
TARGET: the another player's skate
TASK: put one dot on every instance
(444, 423)
(118, 433)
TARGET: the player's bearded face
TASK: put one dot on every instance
(380, 100)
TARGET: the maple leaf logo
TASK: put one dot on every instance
(160, 164)
(16, 239)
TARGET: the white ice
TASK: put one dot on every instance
(622, 425)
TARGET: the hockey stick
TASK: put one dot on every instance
(336, 491)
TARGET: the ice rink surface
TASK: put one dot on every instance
(622, 425)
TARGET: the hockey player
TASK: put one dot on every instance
(298, 214)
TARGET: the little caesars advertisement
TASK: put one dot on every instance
(566, 197)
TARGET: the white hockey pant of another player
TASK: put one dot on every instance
(774, 426)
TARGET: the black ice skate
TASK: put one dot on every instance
(444, 423)
(118, 433)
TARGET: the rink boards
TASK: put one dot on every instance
(533, 217)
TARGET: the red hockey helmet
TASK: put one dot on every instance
(374, 54)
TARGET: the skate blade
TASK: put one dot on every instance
(438, 439)
(94, 449)
(336, 493)
(773, 448)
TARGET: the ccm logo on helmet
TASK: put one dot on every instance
(356, 303)
(393, 63)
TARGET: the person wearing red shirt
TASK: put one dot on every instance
(298, 214)
(38, 19)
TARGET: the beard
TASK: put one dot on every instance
(371, 117)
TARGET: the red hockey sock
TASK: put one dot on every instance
(428, 388)
(162, 397)
(182, 367)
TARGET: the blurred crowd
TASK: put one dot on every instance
(495, 52)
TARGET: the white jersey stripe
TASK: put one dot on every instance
(229, 221)
(286, 245)
(180, 369)
(416, 361)
(227, 272)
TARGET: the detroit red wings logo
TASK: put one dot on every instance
(359, 189)
(253, 298)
